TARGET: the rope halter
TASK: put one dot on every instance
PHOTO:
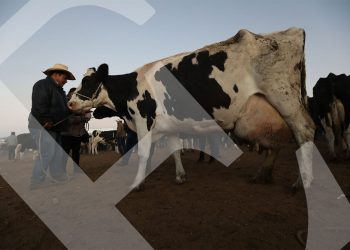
(93, 95)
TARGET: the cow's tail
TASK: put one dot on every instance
(303, 75)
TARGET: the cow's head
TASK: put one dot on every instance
(91, 92)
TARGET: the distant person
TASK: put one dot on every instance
(11, 143)
(131, 141)
(214, 143)
(47, 120)
(121, 136)
(73, 134)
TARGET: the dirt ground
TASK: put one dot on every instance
(217, 208)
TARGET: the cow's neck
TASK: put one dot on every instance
(121, 89)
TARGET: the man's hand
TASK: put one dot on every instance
(87, 116)
(48, 125)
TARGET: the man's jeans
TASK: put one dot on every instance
(51, 155)
(11, 152)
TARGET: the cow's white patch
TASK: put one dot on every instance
(94, 143)
(103, 100)
(194, 60)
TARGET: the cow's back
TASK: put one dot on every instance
(222, 76)
(27, 141)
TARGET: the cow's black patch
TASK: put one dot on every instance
(194, 77)
(122, 88)
(27, 142)
(103, 112)
(89, 85)
(235, 88)
(147, 108)
(131, 111)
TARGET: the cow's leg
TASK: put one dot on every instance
(94, 148)
(180, 172)
(201, 140)
(299, 121)
(17, 151)
(183, 143)
(265, 172)
(174, 145)
(330, 139)
(347, 141)
(144, 148)
(35, 155)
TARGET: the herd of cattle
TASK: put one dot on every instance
(251, 85)
(103, 140)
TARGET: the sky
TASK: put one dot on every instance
(87, 36)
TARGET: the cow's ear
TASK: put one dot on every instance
(102, 72)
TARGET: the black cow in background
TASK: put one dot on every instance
(25, 141)
(313, 111)
(332, 108)
(104, 137)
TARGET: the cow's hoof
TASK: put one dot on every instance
(180, 179)
(137, 186)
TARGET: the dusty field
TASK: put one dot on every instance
(216, 208)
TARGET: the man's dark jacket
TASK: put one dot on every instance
(49, 104)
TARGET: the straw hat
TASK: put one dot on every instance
(60, 67)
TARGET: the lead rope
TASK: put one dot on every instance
(93, 95)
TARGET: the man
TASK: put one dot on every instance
(131, 141)
(213, 141)
(72, 136)
(11, 143)
(46, 122)
(121, 136)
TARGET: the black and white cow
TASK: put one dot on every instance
(105, 137)
(332, 109)
(25, 141)
(221, 77)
